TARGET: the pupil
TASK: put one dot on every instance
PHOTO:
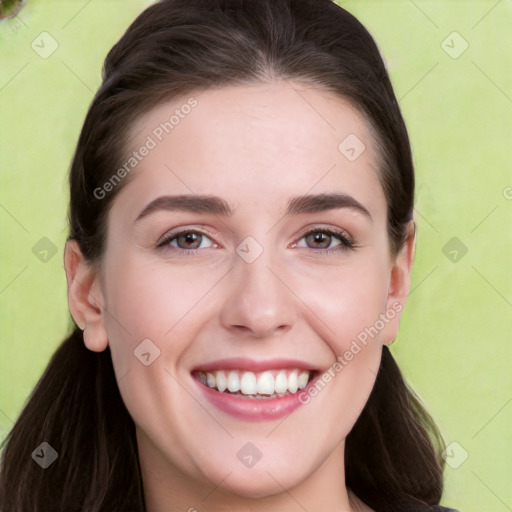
(191, 239)
(321, 239)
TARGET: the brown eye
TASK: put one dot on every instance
(189, 240)
(319, 240)
(325, 240)
(186, 241)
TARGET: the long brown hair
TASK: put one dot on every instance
(173, 48)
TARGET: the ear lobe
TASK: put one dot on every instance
(85, 298)
(399, 284)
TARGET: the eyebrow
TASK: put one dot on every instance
(183, 203)
(217, 206)
(323, 202)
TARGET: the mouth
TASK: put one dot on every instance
(255, 390)
(259, 385)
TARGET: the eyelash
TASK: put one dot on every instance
(346, 241)
(342, 236)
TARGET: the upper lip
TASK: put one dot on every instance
(252, 365)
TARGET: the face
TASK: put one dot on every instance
(249, 248)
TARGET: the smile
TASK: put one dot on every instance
(264, 384)
(255, 390)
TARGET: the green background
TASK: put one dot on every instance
(454, 345)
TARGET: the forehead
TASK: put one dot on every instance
(263, 142)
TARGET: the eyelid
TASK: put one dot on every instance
(346, 239)
(179, 230)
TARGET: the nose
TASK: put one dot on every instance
(259, 303)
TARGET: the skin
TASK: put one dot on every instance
(255, 146)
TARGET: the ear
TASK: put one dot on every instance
(85, 297)
(399, 285)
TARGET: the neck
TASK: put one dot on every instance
(171, 489)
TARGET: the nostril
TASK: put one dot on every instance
(241, 330)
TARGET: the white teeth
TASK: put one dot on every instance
(210, 380)
(303, 379)
(265, 383)
(233, 382)
(281, 383)
(248, 383)
(292, 382)
(222, 383)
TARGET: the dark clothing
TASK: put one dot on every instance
(424, 508)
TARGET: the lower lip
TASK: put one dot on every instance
(254, 409)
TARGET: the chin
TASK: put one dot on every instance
(252, 488)
(253, 484)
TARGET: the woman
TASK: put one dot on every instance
(240, 250)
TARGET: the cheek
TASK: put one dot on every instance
(155, 302)
(346, 310)
(154, 317)
(347, 299)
